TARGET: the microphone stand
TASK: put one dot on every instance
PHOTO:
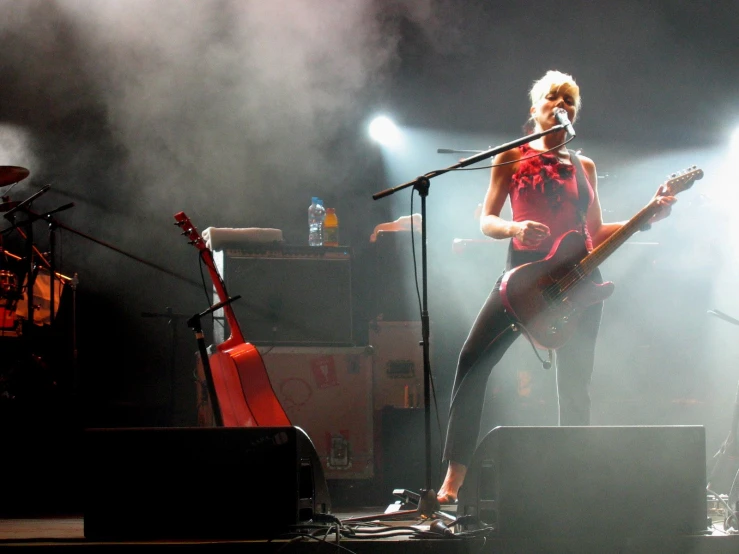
(50, 263)
(194, 324)
(428, 503)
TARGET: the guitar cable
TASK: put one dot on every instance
(518, 326)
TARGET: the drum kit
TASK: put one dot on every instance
(31, 288)
(29, 297)
(10, 288)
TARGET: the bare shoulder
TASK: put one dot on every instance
(509, 156)
(588, 166)
(587, 163)
(505, 164)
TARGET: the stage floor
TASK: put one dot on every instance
(406, 536)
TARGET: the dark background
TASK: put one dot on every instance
(237, 112)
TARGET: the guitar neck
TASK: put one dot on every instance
(236, 336)
(612, 243)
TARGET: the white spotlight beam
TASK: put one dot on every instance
(383, 130)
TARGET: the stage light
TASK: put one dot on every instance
(383, 130)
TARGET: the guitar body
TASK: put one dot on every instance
(242, 389)
(235, 410)
(547, 297)
(256, 388)
(532, 293)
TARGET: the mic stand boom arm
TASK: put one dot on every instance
(55, 223)
(428, 503)
(147, 263)
(468, 161)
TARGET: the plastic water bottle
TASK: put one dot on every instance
(316, 215)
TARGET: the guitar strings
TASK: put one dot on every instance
(578, 272)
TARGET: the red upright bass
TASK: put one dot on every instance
(242, 387)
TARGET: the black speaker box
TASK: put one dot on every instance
(292, 296)
(588, 481)
(199, 483)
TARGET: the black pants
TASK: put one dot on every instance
(490, 337)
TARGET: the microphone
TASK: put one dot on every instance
(563, 120)
(26, 202)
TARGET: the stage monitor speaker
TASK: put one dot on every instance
(588, 481)
(291, 296)
(199, 483)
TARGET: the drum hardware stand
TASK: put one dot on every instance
(47, 260)
(30, 247)
(34, 261)
(75, 360)
(428, 503)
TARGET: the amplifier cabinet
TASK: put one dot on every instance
(398, 371)
(290, 295)
(327, 392)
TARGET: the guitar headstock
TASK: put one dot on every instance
(189, 230)
(681, 181)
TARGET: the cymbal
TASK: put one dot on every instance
(10, 174)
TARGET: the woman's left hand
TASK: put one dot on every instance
(665, 205)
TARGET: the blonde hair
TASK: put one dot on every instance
(555, 81)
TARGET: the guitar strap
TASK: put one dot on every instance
(582, 190)
(583, 198)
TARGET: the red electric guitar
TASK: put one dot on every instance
(243, 390)
(546, 297)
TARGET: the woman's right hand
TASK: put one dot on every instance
(531, 233)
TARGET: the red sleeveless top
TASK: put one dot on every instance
(544, 189)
